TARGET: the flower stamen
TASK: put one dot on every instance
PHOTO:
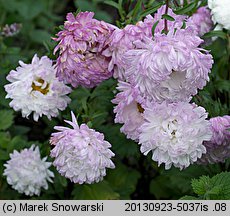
(39, 87)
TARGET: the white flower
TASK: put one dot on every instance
(34, 88)
(220, 10)
(27, 172)
(175, 133)
(81, 154)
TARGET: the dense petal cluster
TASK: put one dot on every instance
(171, 67)
(129, 109)
(220, 10)
(81, 45)
(27, 172)
(120, 41)
(201, 21)
(35, 89)
(175, 133)
(218, 148)
(81, 154)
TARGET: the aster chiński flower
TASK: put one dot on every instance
(35, 89)
(81, 154)
(81, 45)
(174, 133)
(220, 10)
(121, 41)
(201, 21)
(129, 109)
(170, 67)
(218, 148)
(27, 172)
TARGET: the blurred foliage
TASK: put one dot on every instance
(135, 176)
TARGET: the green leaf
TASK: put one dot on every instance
(189, 198)
(167, 17)
(4, 140)
(120, 144)
(137, 8)
(39, 36)
(185, 9)
(113, 4)
(150, 10)
(154, 27)
(159, 187)
(7, 118)
(97, 191)
(83, 5)
(30, 9)
(4, 155)
(214, 188)
(201, 185)
(17, 143)
(220, 34)
(123, 180)
(222, 85)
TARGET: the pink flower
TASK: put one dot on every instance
(121, 41)
(80, 154)
(170, 67)
(81, 45)
(201, 21)
(218, 148)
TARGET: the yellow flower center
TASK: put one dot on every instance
(140, 108)
(43, 89)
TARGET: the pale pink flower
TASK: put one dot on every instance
(80, 154)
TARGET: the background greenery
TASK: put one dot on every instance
(136, 176)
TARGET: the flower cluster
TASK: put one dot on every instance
(27, 172)
(160, 74)
(35, 89)
(81, 154)
(158, 70)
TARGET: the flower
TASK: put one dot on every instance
(35, 89)
(218, 148)
(129, 109)
(10, 30)
(27, 172)
(81, 44)
(120, 41)
(201, 21)
(170, 67)
(81, 154)
(220, 10)
(174, 133)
